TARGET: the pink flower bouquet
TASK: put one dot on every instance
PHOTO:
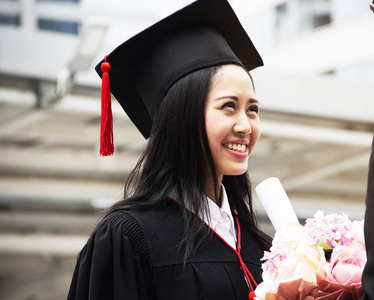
(322, 260)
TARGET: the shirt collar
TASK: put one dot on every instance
(215, 211)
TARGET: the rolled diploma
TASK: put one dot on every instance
(276, 203)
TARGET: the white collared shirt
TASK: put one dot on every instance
(221, 219)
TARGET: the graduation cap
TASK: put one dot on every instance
(140, 71)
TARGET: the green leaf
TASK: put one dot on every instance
(326, 248)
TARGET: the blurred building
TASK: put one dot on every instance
(316, 94)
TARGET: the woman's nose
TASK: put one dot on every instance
(243, 125)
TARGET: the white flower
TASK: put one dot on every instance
(358, 232)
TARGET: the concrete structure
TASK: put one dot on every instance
(316, 115)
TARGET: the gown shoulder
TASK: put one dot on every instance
(135, 255)
(110, 265)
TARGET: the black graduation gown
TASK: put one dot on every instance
(133, 255)
(368, 274)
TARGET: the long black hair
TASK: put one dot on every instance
(175, 160)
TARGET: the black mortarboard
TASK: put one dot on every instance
(142, 69)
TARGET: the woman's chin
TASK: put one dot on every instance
(236, 172)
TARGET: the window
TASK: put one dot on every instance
(10, 19)
(71, 27)
(322, 19)
(296, 16)
(315, 13)
(287, 19)
(69, 1)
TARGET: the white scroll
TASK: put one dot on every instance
(276, 203)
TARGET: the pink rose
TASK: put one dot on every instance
(346, 264)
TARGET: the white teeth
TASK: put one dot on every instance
(236, 147)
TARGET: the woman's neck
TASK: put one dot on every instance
(211, 193)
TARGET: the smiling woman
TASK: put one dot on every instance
(231, 120)
(185, 228)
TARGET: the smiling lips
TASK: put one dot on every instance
(241, 148)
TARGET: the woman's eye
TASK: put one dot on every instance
(254, 108)
(229, 105)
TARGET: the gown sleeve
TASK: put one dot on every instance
(368, 274)
(108, 267)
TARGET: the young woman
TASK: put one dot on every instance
(185, 228)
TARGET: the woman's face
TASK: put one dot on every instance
(231, 120)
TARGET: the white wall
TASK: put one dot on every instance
(321, 96)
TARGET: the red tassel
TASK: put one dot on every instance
(106, 135)
(251, 295)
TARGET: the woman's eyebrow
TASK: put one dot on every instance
(227, 97)
(251, 100)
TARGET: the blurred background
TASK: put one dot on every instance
(317, 116)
